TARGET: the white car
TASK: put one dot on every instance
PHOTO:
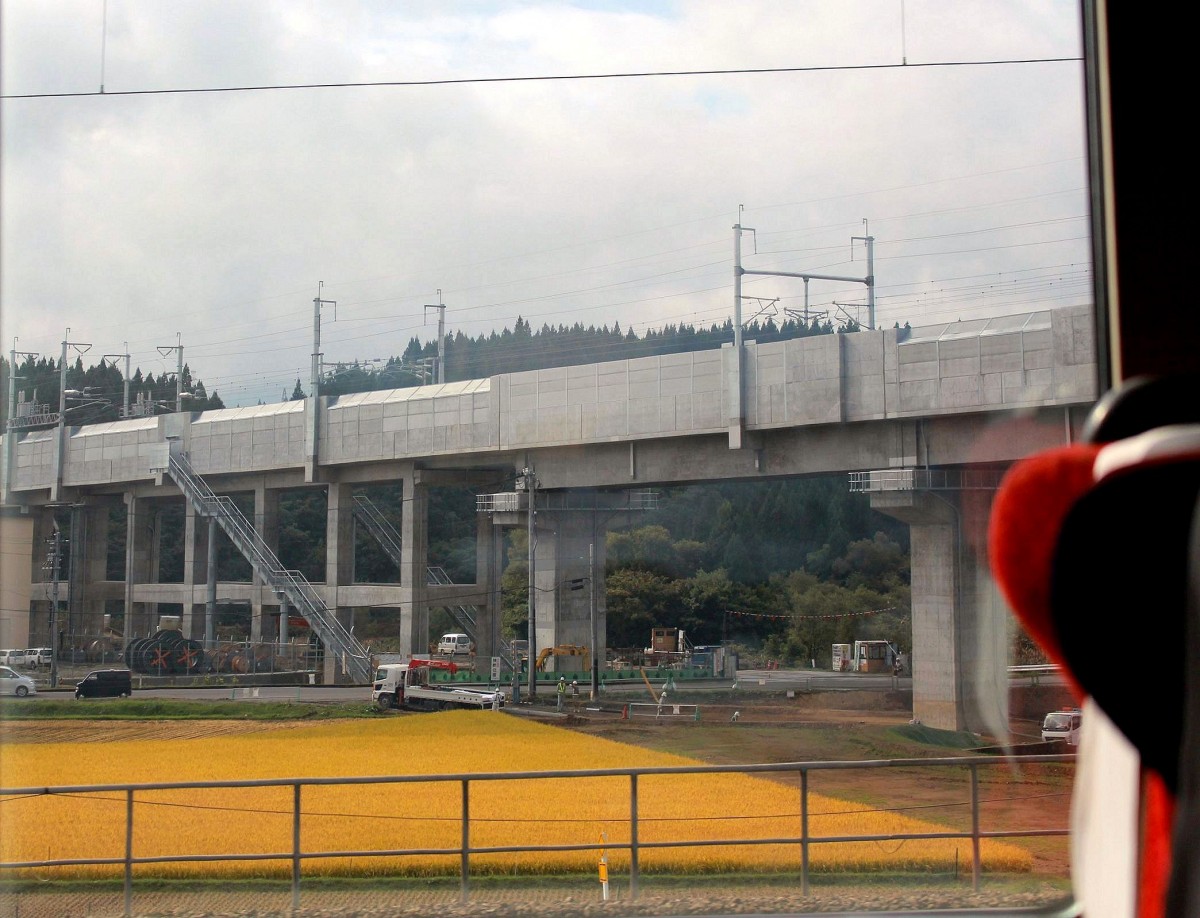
(13, 683)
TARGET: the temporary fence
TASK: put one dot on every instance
(659, 711)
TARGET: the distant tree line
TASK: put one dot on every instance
(98, 392)
(100, 387)
(522, 348)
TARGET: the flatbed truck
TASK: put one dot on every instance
(406, 685)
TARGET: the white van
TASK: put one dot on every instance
(454, 643)
(1062, 725)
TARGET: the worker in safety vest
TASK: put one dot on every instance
(562, 690)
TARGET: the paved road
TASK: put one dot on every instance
(749, 680)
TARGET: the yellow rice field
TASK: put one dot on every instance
(381, 817)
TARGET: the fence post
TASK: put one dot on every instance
(804, 831)
(633, 837)
(975, 862)
(128, 852)
(466, 838)
(296, 846)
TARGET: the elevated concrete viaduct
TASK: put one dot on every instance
(922, 415)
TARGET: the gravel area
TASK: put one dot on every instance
(513, 903)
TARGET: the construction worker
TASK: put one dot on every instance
(562, 690)
(575, 694)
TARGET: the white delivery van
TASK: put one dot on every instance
(1062, 725)
(453, 643)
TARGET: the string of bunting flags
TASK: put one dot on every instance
(784, 617)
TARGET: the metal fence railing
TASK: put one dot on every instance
(464, 851)
(925, 480)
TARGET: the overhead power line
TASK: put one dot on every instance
(461, 81)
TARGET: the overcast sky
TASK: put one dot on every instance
(214, 215)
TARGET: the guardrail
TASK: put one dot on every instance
(465, 850)
(1034, 672)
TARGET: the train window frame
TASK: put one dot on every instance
(1127, 231)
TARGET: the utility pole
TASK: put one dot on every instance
(736, 421)
(60, 440)
(312, 424)
(869, 280)
(806, 276)
(125, 386)
(316, 356)
(178, 348)
(441, 351)
(528, 483)
(56, 544)
(592, 615)
(10, 428)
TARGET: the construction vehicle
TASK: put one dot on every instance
(406, 685)
(564, 650)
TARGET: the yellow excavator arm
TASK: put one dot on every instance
(563, 650)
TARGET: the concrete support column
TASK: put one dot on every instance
(266, 521)
(284, 611)
(139, 548)
(210, 585)
(339, 560)
(414, 557)
(563, 580)
(960, 679)
(16, 569)
(339, 537)
(195, 570)
(153, 520)
(487, 583)
(89, 566)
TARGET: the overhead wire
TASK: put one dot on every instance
(543, 78)
(571, 313)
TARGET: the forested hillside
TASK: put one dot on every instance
(784, 568)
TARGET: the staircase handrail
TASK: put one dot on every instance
(291, 583)
(387, 536)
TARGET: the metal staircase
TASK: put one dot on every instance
(389, 539)
(377, 524)
(464, 615)
(354, 657)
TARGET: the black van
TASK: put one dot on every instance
(105, 683)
